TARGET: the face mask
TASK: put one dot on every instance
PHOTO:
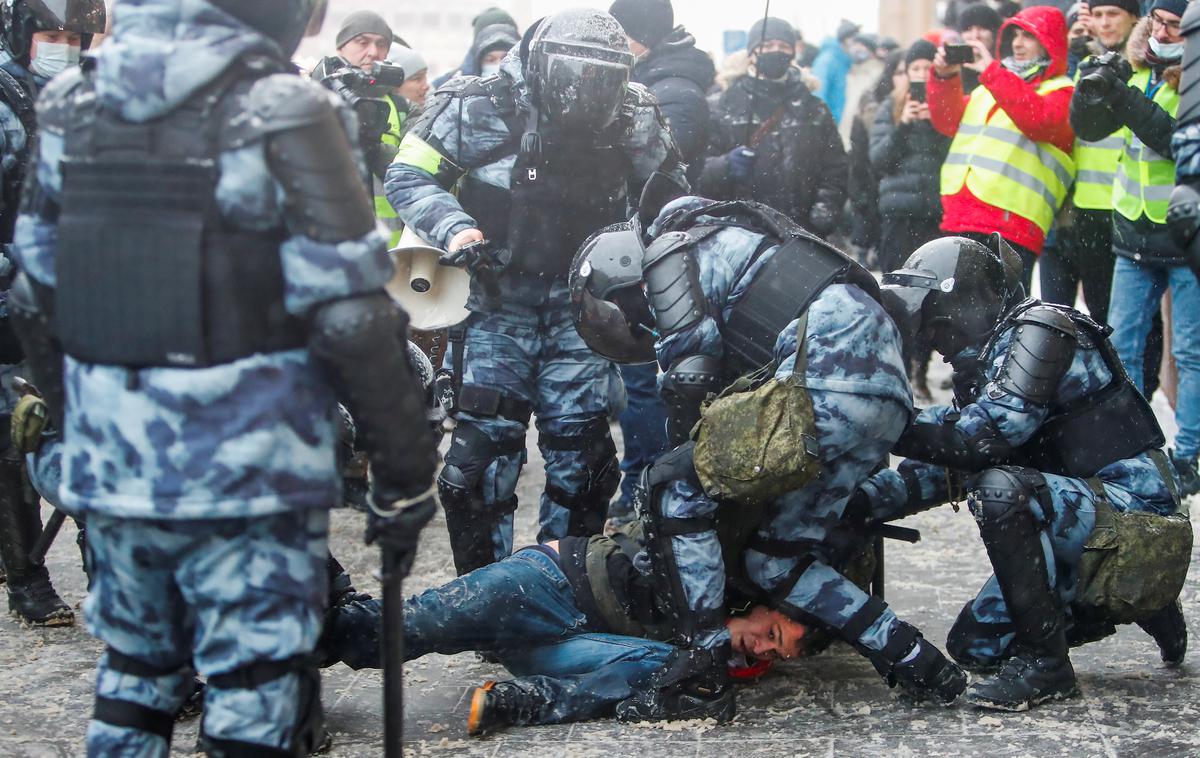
(773, 65)
(1167, 51)
(54, 58)
(489, 69)
(861, 56)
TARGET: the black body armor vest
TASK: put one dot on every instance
(21, 102)
(1080, 438)
(149, 274)
(560, 193)
(783, 288)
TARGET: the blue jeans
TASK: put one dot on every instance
(644, 429)
(1137, 291)
(523, 610)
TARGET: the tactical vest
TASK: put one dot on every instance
(21, 102)
(1081, 437)
(1145, 179)
(149, 273)
(1002, 167)
(785, 286)
(560, 192)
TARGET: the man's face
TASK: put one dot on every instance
(765, 633)
(980, 34)
(1112, 25)
(1165, 27)
(365, 49)
(1026, 47)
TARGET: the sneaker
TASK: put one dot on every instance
(1189, 477)
(496, 705)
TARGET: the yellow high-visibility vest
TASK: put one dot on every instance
(1002, 167)
(383, 209)
(1145, 178)
(1096, 169)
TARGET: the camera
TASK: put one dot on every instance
(365, 92)
(956, 54)
(1106, 71)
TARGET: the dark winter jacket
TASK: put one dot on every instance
(1141, 239)
(679, 75)
(908, 159)
(801, 161)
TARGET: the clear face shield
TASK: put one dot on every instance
(78, 16)
(580, 92)
(609, 304)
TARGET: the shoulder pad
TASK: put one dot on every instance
(1049, 317)
(672, 277)
(1042, 349)
(60, 97)
(639, 96)
(282, 102)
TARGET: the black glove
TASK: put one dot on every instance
(483, 261)
(822, 218)
(397, 524)
(1183, 214)
(694, 683)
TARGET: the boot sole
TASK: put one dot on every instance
(67, 619)
(1019, 707)
(475, 714)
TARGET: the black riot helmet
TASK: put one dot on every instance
(578, 64)
(285, 21)
(952, 292)
(608, 303)
(21, 19)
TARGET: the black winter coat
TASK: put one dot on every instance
(908, 160)
(680, 76)
(801, 161)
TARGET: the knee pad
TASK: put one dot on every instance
(472, 451)
(1001, 498)
(598, 457)
(308, 731)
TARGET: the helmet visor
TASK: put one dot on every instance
(904, 295)
(583, 93)
(604, 328)
(78, 16)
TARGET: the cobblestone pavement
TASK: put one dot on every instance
(833, 704)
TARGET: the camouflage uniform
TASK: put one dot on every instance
(524, 346)
(205, 489)
(861, 402)
(984, 629)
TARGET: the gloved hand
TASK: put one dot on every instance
(397, 524)
(693, 684)
(741, 162)
(1183, 214)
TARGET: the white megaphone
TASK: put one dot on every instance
(434, 296)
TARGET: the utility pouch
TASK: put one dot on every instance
(130, 261)
(754, 444)
(1134, 563)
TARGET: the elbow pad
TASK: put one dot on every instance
(310, 154)
(685, 386)
(360, 342)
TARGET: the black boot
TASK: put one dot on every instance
(1169, 630)
(496, 705)
(31, 596)
(1189, 476)
(694, 684)
(1039, 668)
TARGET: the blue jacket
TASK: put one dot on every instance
(832, 66)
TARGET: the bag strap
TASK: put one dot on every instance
(800, 369)
(1164, 470)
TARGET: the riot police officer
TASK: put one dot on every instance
(725, 290)
(202, 280)
(37, 42)
(1046, 433)
(555, 147)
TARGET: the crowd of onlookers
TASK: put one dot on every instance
(976, 128)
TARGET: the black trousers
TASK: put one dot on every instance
(1081, 254)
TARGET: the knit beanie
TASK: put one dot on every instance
(490, 17)
(363, 22)
(1132, 6)
(646, 21)
(921, 50)
(1178, 7)
(410, 60)
(981, 15)
(776, 29)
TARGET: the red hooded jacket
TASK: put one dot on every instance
(1042, 118)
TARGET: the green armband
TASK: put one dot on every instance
(418, 153)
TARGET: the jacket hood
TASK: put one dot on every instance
(1137, 52)
(162, 52)
(676, 56)
(1049, 26)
